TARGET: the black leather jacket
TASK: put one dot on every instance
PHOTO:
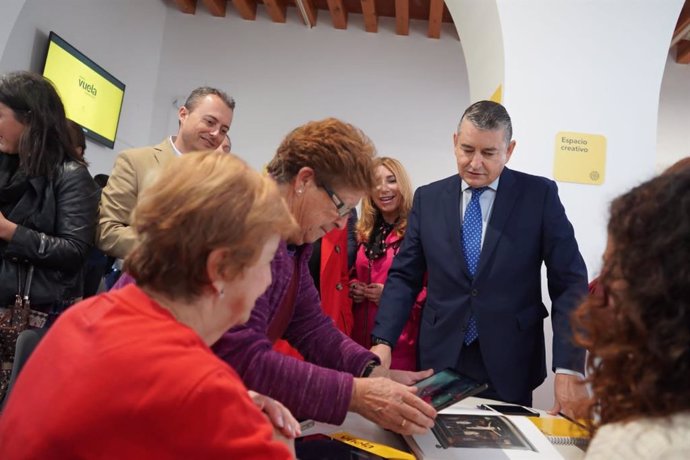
(56, 239)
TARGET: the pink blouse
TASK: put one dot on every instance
(376, 271)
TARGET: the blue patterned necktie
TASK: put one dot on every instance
(472, 247)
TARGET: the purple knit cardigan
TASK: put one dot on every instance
(319, 387)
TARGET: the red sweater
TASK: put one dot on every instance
(118, 377)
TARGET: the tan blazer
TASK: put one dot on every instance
(134, 170)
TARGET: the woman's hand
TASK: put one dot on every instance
(7, 228)
(357, 291)
(409, 377)
(391, 405)
(373, 292)
(279, 415)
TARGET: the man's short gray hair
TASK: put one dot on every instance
(203, 91)
(489, 115)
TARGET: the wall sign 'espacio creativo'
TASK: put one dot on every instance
(580, 158)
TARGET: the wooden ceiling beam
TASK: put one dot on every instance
(338, 13)
(402, 17)
(309, 11)
(246, 9)
(371, 22)
(277, 10)
(435, 18)
(683, 52)
(216, 7)
(186, 6)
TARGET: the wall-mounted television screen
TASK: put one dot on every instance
(92, 97)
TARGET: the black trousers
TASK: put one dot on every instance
(472, 365)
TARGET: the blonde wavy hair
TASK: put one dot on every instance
(370, 212)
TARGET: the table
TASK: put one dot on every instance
(357, 425)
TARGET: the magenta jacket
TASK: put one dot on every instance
(404, 354)
(319, 387)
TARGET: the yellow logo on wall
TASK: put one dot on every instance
(580, 158)
(497, 96)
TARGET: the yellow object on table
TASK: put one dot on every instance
(562, 431)
(375, 448)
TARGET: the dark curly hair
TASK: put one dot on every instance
(638, 332)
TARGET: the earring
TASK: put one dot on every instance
(220, 290)
(299, 191)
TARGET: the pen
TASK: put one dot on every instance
(570, 419)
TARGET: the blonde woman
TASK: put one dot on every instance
(380, 232)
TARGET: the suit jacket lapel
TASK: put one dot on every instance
(164, 152)
(503, 205)
(453, 223)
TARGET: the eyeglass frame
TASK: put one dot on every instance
(340, 206)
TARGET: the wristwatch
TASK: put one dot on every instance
(369, 369)
(379, 341)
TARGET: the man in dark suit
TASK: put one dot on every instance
(482, 238)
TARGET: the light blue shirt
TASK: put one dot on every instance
(486, 203)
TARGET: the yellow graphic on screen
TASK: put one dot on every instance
(580, 158)
(89, 99)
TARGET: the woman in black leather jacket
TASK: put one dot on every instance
(48, 201)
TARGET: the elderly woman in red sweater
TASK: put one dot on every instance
(129, 374)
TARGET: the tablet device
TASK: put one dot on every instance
(510, 409)
(320, 447)
(447, 387)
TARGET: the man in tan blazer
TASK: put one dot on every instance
(204, 121)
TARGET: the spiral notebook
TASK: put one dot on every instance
(561, 431)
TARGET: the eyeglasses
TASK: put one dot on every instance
(340, 206)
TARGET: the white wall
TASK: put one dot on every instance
(673, 133)
(406, 93)
(581, 81)
(123, 36)
(9, 11)
(569, 67)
